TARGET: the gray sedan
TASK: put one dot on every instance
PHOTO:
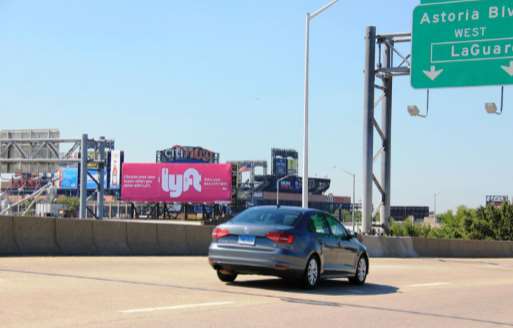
(294, 243)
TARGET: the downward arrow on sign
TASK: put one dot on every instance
(508, 69)
(433, 73)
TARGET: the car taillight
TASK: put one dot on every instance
(281, 237)
(219, 233)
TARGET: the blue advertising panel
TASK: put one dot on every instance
(69, 178)
(280, 167)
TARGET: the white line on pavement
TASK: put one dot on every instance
(390, 266)
(175, 307)
(431, 284)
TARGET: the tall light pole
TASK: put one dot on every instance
(309, 17)
(434, 208)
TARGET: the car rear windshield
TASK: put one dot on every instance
(267, 216)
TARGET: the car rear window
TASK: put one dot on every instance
(267, 216)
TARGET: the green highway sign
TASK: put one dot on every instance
(462, 43)
(439, 1)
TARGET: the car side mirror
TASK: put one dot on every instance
(358, 236)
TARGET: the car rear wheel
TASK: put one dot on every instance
(312, 275)
(361, 272)
(226, 276)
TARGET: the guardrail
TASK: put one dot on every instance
(23, 236)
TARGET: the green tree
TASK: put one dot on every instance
(409, 229)
(71, 205)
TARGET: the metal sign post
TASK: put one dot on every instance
(102, 143)
(368, 126)
(83, 177)
(385, 70)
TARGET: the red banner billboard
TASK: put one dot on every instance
(180, 183)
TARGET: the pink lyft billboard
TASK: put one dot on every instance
(187, 182)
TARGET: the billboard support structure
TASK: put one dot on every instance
(101, 145)
(101, 175)
(83, 177)
(385, 70)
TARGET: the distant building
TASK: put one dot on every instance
(401, 213)
(496, 200)
(19, 145)
(432, 221)
(186, 154)
(328, 203)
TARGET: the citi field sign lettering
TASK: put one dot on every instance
(462, 43)
(176, 183)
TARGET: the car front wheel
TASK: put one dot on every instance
(361, 272)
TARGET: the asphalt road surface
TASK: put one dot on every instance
(184, 292)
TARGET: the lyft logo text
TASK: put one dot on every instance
(176, 184)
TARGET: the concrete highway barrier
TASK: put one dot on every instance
(172, 239)
(7, 243)
(44, 236)
(75, 237)
(142, 238)
(389, 247)
(374, 246)
(110, 237)
(432, 247)
(198, 239)
(35, 236)
(422, 247)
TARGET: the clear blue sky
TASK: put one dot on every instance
(228, 75)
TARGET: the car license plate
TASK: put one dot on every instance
(247, 240)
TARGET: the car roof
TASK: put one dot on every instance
(290, 208)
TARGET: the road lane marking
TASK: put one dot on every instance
(431, 284)
(176, 307)
(390, 266)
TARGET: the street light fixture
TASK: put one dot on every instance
(491, 108)
(414, 110)
(278, 189)
(309, 17)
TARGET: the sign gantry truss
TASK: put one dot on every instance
(392, 62)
